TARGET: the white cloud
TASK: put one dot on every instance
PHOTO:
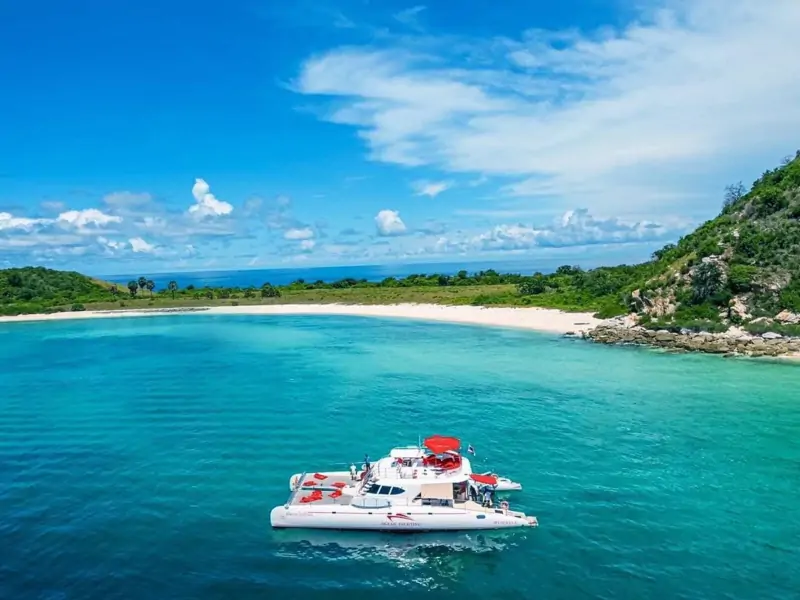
(307, 245)
(81, 219)
(207, 205)
(430, 188)
(638, 110)
(389, 222)
(139, 245)
(409, 16)
(9, 221)
(111, 244)
(574, 228)
(304, 233)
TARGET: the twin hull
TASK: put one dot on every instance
(348, 517)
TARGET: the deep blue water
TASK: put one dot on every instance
(139, 459)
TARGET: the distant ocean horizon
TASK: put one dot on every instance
(282, 276)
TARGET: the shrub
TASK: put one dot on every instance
(77, 307)
(707, 281)
(270, 291)
(740, 278)
(532, 286)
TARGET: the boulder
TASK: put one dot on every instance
(739, 308)
(771, 335)
(788, 317)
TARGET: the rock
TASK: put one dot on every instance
(638, 302)
(771, 335)
(788, 317)
(662, 307)
(739, 308)
(762, 321)
(734, 341)
(569, 334)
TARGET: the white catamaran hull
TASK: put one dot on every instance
(416, 519)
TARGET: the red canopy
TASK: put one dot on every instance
(487, 479)
(439, 444)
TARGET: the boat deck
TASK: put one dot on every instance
(326, 486)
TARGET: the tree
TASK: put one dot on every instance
(249, 292)
(740, 277)
(443, 280)
(707, 281)
(133, 287)
(270, 291)
(733, 193)
(142, 283)
(150, 285)
(659, 254)
(568, 270)
(114, 290)
(535, 285)
(172, 286)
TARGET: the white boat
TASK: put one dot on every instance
(504, 484)
(429, 487)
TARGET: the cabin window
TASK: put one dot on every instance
(384, 490)
(374, 489)
(395, 491)
(480, 516)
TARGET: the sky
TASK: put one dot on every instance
(163, 136)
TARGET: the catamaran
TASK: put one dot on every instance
(430, 487)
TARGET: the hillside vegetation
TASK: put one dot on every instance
(36, 289)
(741, 268)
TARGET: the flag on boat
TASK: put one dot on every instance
(471, 450)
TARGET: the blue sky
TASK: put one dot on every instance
(211, 135)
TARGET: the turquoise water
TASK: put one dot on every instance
(139, 459)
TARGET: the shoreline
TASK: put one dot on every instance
(545, 320)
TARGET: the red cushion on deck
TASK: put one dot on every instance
(309, 482)
(320, 476)
(339, 484)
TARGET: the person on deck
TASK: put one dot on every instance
(487, 497)
(366, 462)
(353, 472)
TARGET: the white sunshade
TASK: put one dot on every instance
(442, 491)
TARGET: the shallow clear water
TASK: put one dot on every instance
(139, 458)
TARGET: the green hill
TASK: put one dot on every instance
(36, 289)
(743, 267)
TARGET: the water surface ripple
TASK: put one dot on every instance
(140, 458)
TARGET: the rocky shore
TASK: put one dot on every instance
(734, 342)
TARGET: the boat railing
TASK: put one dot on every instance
(367, 502)
(411, 473)
(296, 487)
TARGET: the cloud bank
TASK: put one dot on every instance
(620, 117)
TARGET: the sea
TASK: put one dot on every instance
(140, 458)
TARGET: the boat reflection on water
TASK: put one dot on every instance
(447, 553)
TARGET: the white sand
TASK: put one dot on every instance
(538, 319)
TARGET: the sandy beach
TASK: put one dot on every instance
(536, 319)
